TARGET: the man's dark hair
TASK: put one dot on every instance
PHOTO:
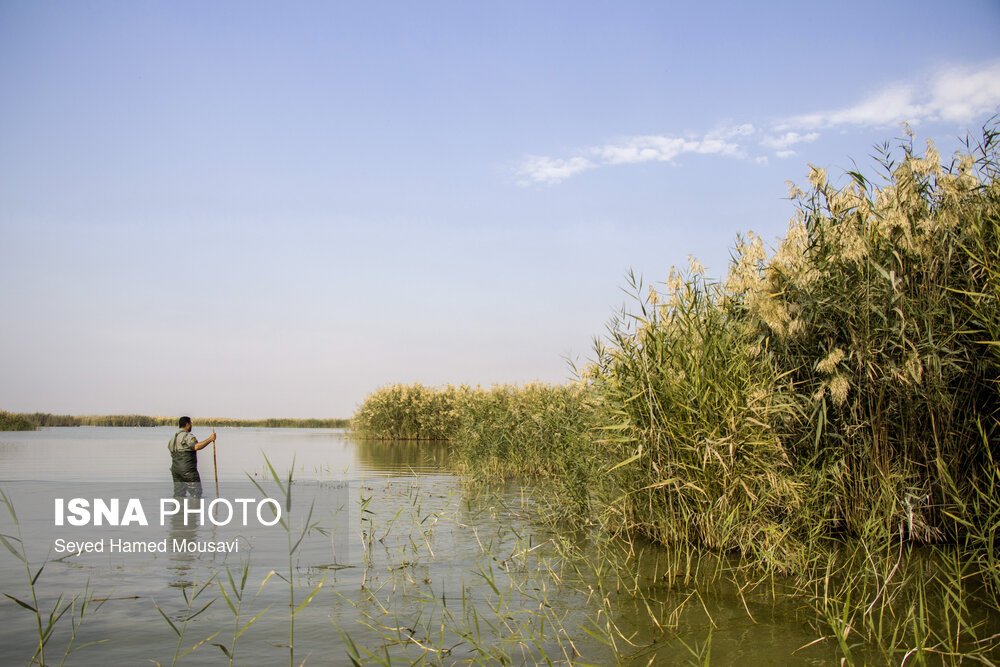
(183, 421)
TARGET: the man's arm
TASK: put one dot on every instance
(204, 443)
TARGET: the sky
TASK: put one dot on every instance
(250, 209)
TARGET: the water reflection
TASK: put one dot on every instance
(402, 455)
(182, 562)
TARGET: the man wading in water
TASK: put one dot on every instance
(184, 467)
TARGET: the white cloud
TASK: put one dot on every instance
(961, 95)
(658, 148)
(956, 95)
(541, 169)
(547, 170)
(788, 139)
(886, 107)
(730, 131)
(643, 149)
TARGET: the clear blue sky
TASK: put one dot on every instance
(256, 209)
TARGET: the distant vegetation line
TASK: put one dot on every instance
(10, 421)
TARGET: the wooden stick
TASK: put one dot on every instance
(215, 465)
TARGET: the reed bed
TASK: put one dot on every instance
(410, 412)
(538, 431)
(842, 386)
(827, 409)
(10, 421)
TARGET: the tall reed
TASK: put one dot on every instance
(693, 445)
(825, 390)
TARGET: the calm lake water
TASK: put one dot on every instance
(403, 560)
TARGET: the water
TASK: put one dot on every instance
(402, 557)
